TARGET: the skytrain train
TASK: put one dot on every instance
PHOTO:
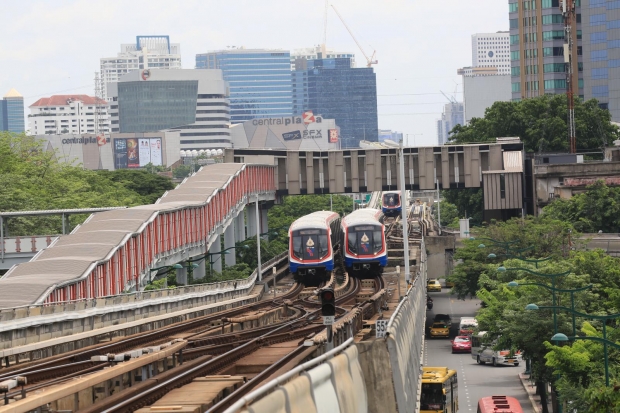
(364, 247)
(313, 239)
(390, 203)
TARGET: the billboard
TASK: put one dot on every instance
(137, 152)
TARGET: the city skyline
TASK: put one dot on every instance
(40, 64)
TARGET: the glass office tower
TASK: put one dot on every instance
(259, 81)
(333, 89)
(12, 112)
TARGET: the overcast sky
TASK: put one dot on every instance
(53, 47)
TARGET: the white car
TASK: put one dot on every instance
(498, 357)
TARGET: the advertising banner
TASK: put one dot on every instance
(133, 155)
(333, 136)
(120, 154)
(156, 158)
(144, 152)
(137, 153)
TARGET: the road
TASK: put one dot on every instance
(475, 381)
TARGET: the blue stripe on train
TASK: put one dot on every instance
(349, 261)
(328, 265)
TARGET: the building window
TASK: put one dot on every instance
(553, 35)
(579, 35)
(514, 23)
(554, 67)
(598, 19)
(516, 87)
(515, 71)
(613, 44)
(555, 84)
(513, 7)
(529, 21)
(514, 39)
(598, 55)
(598, 37)
(552, 19)
(600, 73)
(604, 106)
(502, 186)
(531, 53)
(531, 85)
(531, 69)
(600, 91)
(613, 63)
(613, 5)
(529, 5)
(530, 37)
(614, 24)
(597, 3)
(547, 4)
(514, 55)
(580, 83)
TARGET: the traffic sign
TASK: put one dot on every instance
(328, 320)
(381, 327)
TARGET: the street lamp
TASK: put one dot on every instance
(559, 290)
(175, 266)
(562, 337)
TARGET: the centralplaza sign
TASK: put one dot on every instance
(293, 120)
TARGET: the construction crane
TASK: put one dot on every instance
(369, 60)
(451, 99)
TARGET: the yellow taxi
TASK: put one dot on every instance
(440, 330)
(433, 285)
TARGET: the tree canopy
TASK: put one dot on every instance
(531, 251)
(541, 123)
(32, 179)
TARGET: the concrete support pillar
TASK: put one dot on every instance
(251, 219)
(182, 274)
(200, 271)
(264, 225)
(229, 242)
(215, 248)
(240, 227)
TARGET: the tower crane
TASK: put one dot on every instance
(369, 60)
(451, 99)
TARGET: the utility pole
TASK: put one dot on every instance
(567, 7)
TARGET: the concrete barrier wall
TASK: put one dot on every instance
(405, 341)
(334, 386)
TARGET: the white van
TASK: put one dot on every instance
(482, 351)
(467, 326)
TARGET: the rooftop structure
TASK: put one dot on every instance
(69, 114)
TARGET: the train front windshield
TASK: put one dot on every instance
(310, 244)
(365, 240)
(391, 200)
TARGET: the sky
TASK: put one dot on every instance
(54, 47)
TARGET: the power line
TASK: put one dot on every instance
(58, 91)
(407, 104)
(414, 94)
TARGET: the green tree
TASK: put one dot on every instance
(449, 213)
(468, 202)
(541, 124)
(598, 209)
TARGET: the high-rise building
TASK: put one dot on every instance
(319, 52)
(149, 52)
(600, 22)
(537, 38)
(62, 114)
(12, 112)
(491, 50)
(259, 81)
(333, 89)
(452, 115)
(194, 102)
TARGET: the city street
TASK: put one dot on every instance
(475, 381)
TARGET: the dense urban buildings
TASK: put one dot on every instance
(601, 53)
(319, 52)
(452, 115)
(195, 102)
(335, 90)
(491, 50)
(149, 52)
(61, 114)
(537, 48)
(12, 112)
(259, 81)
(387, 134)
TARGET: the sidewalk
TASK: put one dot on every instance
(530, 389)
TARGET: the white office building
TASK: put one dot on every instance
(149, 52)
(75, 114)
(491, 50)
(319, 52)
(193, 102)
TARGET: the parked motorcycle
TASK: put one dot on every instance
(429, 303)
